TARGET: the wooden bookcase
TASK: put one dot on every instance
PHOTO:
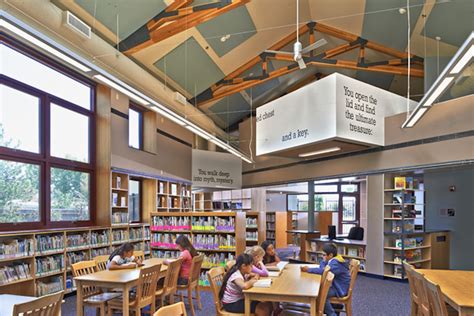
(119, 199)
(276, 227)
(348, 249)
(255, 228)
(404, 234)
(227, 200)
(220, 236)
(49, 255)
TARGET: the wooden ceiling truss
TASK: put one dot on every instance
(176, 18)
(235, 82)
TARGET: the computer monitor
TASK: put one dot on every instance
(331, 232)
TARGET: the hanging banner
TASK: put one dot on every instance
(216, 170)
(333, 108)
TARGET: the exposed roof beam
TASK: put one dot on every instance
(234, 83)
(176, 18)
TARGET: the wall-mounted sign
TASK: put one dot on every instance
(334, 108)
(216, 170)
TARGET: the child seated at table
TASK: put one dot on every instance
(270, 258)
(237, 279)
(122, 258)
(257, 253)
(188, 252)
(340, 269)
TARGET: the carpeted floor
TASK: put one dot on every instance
(372, 297)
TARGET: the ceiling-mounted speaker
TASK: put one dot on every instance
(77, 25)
(180, 98)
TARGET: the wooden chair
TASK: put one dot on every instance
(354, 267)
(193, 283)
(145, 294)
(229, 264)
(215, 277)
(177, 309)
(140, 254)
(424, 308)
(48, 305)
(101, 262)
(323, 293)
(92, 295)
(170, 284)
(414, 296)
(436, 300)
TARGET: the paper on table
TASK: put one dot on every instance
(274, 273)
(280, 266)
(263, 283)
(311, 266)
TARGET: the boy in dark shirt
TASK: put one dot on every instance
(340, 269)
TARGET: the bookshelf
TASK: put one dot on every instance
(218, 235)
(404, 232)
(173, 197)
(119, 198)
(276, 228)
(348, 249)
(228, 200)
(254, 228)
(36, 263)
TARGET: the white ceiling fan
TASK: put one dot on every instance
(298, 49)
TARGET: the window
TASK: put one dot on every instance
(13, 107)
(46, 136)
(134, 200)
(297, 202)
(69, 195)
(135, 128)
(326, 202)
(19, 192)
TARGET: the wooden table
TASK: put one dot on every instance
(123, 279)
(457, 287)
(7, 301)
(291, 286)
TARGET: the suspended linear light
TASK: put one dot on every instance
(320, 152)
(169, 115)
(118, 87)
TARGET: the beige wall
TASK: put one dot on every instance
(450, 117)
(168, 158)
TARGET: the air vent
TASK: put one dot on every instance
(74, 23)
(180, 98)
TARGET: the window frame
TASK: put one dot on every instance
(44, 158)
(140, 203)
(141, 112)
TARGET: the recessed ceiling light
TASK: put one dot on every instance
(402, 10)
(319, 152)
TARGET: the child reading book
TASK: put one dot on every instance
(122, 258)
(237, 279)
(270, 258)
(340, 269)
(188, 252)
(257, 254)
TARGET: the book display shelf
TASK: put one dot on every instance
(37, 263)
(220, 236)
(276, 228)
(228, 200)
(405, 237)
(349, 249)
(255, 232)
(173, 197)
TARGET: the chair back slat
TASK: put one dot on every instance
(84, 268)
(323, 292)
(195, 270)
(139, 254)
(435, 298)
(147, 282)
(414, 296)
(177, 309)
(229, 264)
(101, 262)
(424, 307)
(48, 305)
(215, 277)
(171, 279)
(354, 267)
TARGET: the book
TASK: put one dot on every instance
(265, 283)
(280, 266)
(399, 182)
(274, 274)
(409, 182)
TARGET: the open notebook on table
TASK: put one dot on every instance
(263, 283)
(280, 266)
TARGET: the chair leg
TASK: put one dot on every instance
(102, 309)
(198, 297)
(190, 300)
(171, 297)
(348, 308)
(182, 296)
(162, 299)
(109, 311)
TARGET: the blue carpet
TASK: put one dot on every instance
(371, 297)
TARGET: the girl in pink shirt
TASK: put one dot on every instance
(188, 252)
(257, 253)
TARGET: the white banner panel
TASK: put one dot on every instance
(216, 170)
(336, 107)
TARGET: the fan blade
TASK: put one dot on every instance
(278, 52)
(315, 45)
(301, 63)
